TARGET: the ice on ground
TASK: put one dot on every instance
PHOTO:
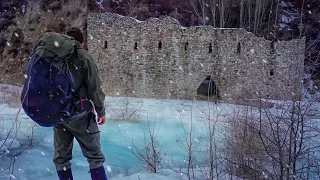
(172, 120)
(169, 116)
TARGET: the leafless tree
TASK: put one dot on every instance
(150, 151)
(12, 144)
(188, 144)
(255, 15)
(125, 110)
(275, 143)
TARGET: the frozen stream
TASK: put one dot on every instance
(116, 138)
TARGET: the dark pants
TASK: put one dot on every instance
(86, 132)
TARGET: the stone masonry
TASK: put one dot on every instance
(158, 58)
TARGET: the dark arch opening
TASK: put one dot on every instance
(186, 46)
(210, 48)
(105, 44)
(159, 45)
(239, 48)
(209, 88)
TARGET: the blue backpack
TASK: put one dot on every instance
(47, 96)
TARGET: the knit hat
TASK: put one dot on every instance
(76, 33)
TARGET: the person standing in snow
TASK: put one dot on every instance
(87, 90)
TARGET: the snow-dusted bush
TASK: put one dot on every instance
(275, 143)
(124, 110)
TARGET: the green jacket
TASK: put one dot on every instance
(86, 80)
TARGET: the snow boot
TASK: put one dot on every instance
(98, 173)
(65, 174)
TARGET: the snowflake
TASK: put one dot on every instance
(91, 37)
(108, 168)
(16, 34)
(56, 43)
(119, 125)
(8, 44)
(42, 153)
(23, 8)
(12, 176)
(64, 168)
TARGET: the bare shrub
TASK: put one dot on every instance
(242, 146)
(274, 143)
(188, 145)
(213, 162)
(150, 151)
(125, 110)
(12, 143)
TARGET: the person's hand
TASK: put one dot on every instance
(101, 120)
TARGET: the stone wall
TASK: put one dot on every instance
(158, 58)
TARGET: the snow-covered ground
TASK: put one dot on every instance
(116, 136)
(168, 116)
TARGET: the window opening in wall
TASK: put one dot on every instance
(239, 48)
(210, 48)
(271, 72)
(105, 44)
(186, 46)
(272, 48)
(208, 88)
(135, 45)
(159, 45)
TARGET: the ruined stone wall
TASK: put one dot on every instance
(158, 58)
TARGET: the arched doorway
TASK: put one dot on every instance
(208, 88)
